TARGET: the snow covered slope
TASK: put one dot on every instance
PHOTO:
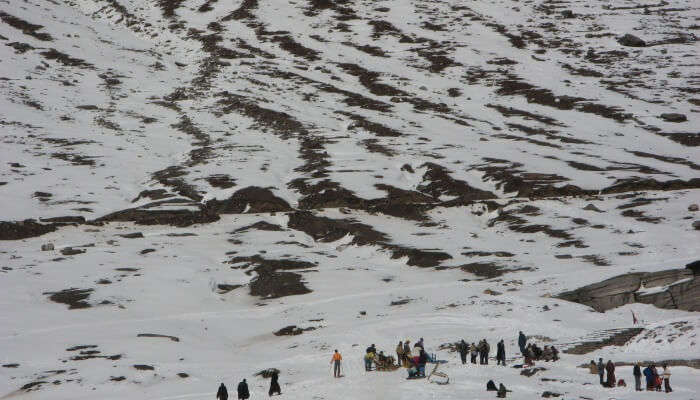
(211, 172)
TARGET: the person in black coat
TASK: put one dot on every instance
(522, 342)
(463, 348)
(243, 393)
(274, 384)
(637, 372)
(222, 393)
(422, 360)
(501, 353)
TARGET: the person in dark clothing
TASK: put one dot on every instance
(555, 353)
(243, 393)
(463, 348)
(537, 351)
(484, 352)
(422, 360)
(649, 375)
(522, 342)
(490, 386)
(274, 384)
(637, 372)
(610, 369)
(501, 353)
(601, 371)
(222, 393)
(501, 394)
(371, 349)
(474, 352)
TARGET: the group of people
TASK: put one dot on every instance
(243, 393)
(532, 352)
(380, 360)
(481, 351)
(654, 380)
(414, 360)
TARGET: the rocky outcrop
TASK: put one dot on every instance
(673, 289)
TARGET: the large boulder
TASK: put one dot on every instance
(674, 117)
(631, 41)
(672, 289)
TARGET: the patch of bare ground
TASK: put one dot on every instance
(221, 181)
(26, 27)
(270, 283)
(17, 230)
(73, 297)
(373, 127)
(596, 260)
(177, 217)
(515, 86)
(510, 111)
(281, 123)
(369, 80)
(438, 182)
(520, 224)
(244, 11)
(260, 226)
(172, 177)
(488, 270)
(690, 139)
(290, 45)
(488, 254)
(65, 59)
(373, 146)
(251, 199)
(325, 229)
(371, 50)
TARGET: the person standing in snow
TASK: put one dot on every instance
(522, 342)
(610, 369)
(649, 376)
(399, 354)
(555, 353)
(484, 352)
(222, 393)
(274, 384)
(667, 379)
(637, 372)
(475, 352)
(463, 348)
(601, 371)
(422, 360)
(243, 393)
(501, 353)
(335, 360)
(406, 352)
(419, 344)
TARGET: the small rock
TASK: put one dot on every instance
(492, 292)
(693, 207)
(696, 225)
(567, 14)
(548, 394)
(531, 371)
(591, 207)
(631, 41)
(407, 168)
(49, 246)
(674, 117)
(69, 251)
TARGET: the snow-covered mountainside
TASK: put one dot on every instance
(222, 187)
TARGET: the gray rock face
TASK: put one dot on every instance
(678, 289)
(631, 41)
